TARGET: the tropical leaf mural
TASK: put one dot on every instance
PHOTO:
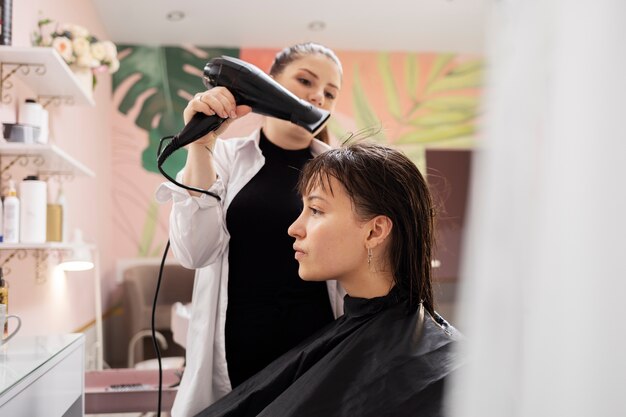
(163, 70)
(164, 81)
(434, 100)
(366, 119)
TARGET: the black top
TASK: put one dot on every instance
(270, 309)
(377, 360)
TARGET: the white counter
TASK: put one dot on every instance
(42, 376)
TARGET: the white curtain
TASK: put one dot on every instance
(543, 300)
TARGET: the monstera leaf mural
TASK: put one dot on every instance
(161, 80)
(163, 70)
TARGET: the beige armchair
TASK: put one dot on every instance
(139, 286)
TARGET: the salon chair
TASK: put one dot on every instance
(139, 285)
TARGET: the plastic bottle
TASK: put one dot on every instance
(44, 130)
(54, 218)
(33, 204)
(30, 113)
(11, 223)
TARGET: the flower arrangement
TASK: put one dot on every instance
(79, 48)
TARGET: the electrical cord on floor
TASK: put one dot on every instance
(167, 152)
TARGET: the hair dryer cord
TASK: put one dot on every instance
(162, 157)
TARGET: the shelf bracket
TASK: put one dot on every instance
(19, 253)
(22, 159)
(42, 261)
(60, 176)
(7, 69)
(55, 100)
(41, 266)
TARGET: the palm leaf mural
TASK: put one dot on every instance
(411, 75)
(335, 129)
(391, 92)
(365, 117)
(437, 100)
(457, 81)
(164, 78)
(445, 108)
(463, 103)
(441, 61)
(162, 69)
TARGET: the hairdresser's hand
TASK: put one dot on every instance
(217, 101)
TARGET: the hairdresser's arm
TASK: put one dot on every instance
(197, 229)
(199, 171)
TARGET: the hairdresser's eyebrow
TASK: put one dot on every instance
(317, 78)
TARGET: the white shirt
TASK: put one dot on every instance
(199, 239)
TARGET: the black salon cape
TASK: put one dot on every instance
(376, 360)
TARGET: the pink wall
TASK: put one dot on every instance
(64, 304)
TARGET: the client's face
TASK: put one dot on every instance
(330, 239)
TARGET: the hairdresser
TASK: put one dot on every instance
(249, 305)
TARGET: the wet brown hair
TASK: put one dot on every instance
(382, 181)
(295, 52)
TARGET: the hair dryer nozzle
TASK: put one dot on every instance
(252, 87)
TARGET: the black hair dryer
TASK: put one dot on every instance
(252, 87)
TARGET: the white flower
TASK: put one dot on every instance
(85, 60)
(81, 46)
(64, 48)
(114, 65)
(111, 50)
(74, 44)
(98, 50)
(78, 31)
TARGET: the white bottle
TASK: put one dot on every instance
(44, 128)
(30, 113)
(33, 208)
(11, 221)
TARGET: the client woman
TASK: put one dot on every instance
(367, 222)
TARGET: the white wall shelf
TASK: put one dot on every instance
(51, 79)
(46, 73)
(40, 251)
(48, 159)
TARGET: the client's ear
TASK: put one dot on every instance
(379, 228)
